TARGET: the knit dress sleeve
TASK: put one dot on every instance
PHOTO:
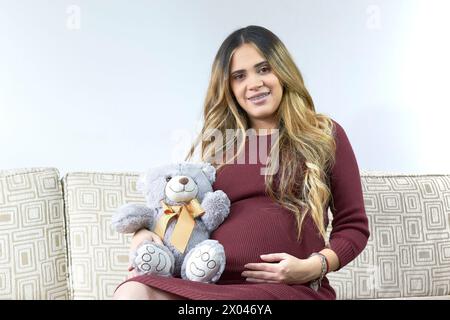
(350, 230)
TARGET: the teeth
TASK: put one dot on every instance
(260, 96)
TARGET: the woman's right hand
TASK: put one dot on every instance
(138, 237)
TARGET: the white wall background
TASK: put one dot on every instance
(119, 85)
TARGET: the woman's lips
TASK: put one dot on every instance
(261, 99)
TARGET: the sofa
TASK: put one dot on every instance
(56, 240)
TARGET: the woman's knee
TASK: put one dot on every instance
(133, 290)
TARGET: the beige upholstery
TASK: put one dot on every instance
(32, 240)
(98, 254)
(408, 253)
(42, 216)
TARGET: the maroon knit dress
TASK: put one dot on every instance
(256, 225)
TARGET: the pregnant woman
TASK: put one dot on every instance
(275, 235)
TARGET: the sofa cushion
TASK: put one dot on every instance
(408, 252)
(32, 241)
(98, 255)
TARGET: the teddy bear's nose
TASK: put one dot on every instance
(184, 181)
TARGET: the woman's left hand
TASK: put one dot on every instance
(283, 268)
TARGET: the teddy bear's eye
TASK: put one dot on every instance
(168, 178)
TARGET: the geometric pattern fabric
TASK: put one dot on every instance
(98, 255)
(33, 260)
(408, 252)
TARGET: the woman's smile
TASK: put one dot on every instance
(260, 99)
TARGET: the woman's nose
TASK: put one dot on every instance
(255, 83)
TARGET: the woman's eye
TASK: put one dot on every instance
(264, 69)
(168, 178)
(238, 76)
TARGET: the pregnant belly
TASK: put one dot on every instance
(255, 226)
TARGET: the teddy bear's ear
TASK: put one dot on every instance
(209, 171)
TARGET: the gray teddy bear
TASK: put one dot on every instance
(183, 210)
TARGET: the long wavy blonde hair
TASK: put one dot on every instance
(305, 142)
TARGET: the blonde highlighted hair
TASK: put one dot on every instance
(305, 143)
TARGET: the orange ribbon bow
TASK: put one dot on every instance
(185, 224)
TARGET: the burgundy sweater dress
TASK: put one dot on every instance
(256, 225)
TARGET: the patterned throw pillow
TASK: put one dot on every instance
(408, 252)
(32, 243)
(98, 254)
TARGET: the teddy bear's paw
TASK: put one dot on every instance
(217, 207)
(131, 217)
(215, 199)
(152, 258)
(205, 262)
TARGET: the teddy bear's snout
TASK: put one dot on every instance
(184, 181)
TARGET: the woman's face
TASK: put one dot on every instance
(257, 90)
